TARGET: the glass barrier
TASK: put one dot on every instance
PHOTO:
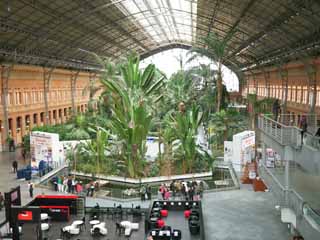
(311, 216)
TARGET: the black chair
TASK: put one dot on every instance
(195, 213)
(176, 234)
(120, 229)
(158, 205)
(193, 218)
(83, 225)
(96, 233)
(166, 228)
(194, 227)
(155, 215)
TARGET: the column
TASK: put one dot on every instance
(14, 128)
(23, 126)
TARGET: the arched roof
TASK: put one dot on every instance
(64, 32)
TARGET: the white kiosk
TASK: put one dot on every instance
(240, 150)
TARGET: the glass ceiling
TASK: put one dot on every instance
(164, 21)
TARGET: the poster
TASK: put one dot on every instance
(243, 149)
(44, 147)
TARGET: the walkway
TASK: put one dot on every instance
(231, 215)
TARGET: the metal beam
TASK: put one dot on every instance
(42, 60)
(108, 21)
(297, 5)
(242, 15)
(45, 9)
(212, 19)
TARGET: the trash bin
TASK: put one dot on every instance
(27, 174)
(20, 173)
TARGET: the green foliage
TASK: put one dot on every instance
(94, 152)
(26, 144)
(132, 95)
(75, 129)
(185, 129)
(258, 106)
(216, 50)
(224, 124)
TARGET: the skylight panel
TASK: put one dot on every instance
(168, 18)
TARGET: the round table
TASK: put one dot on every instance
(44, 226)
(94, 222)
(67, 228)
(44, 216)
(77, 222)
(125, 224)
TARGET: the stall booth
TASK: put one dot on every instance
(21, 221)
(11, 198)
(26, 223)
(58, 207)
(175, 220)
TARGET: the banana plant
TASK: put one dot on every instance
(95, 151)
(186, 128)
(132, 94)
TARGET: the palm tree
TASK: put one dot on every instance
(216, 50)
(224, 123)
(92, 87)
(257, 106)
(47, 73)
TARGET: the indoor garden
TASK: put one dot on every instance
(188, 116)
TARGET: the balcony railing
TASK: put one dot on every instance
(285, 135)
(312, 217)
(312, 141)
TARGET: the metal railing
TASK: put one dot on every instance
(312, 141)
(285, 135)
(274, 186)
(311, 216)
(290, 198)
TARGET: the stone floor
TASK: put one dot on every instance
(231, 215)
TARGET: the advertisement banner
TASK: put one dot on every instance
(44, 147)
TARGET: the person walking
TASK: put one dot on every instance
(65, 185)
(60, 184)
(30, 185)
(69, 183)
(73, 185)
(276, 109)
(15, 166)
(1, 201)
(304, 127)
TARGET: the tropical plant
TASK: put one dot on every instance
(224, 124)
(93, 87)
(256, 107)
(186, 128)
(77, 128)
(95, 160)
(216, 50)
(132, 94)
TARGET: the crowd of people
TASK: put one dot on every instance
(183, 190)
(187, 190)
(69, 184)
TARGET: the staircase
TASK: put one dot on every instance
(286, 141)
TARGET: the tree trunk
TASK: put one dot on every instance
(5, 76)
(74, 76)
(92, 77)
(219, 87)
(46, 88)
(284, 79)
